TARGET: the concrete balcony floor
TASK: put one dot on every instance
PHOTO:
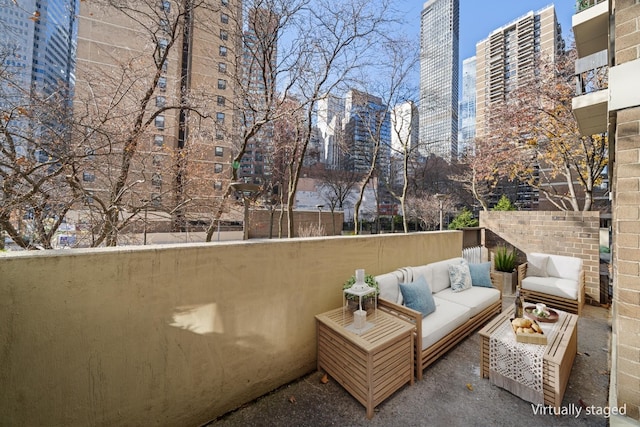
(442, 398)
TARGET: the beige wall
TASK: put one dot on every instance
(555, 232)
(174, 335)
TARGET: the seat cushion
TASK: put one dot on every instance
(556, 286)
(475, 299)
(388, 285)
(446, 318)
(417, 296)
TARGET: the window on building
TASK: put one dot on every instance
(219, 134)
(224, 35)
(224, 18)
(219, 151)
(222, 84)
(223, 51)
(165, 5)
(88, 177)
(161, 101)
(225, 2)
(165, 66)
(158, 140)
(162, 84)
(156, 180)
(221, 101)
(222, 67)
(217, 168)
(217, 185)
(156, 199)
(157, 160)
(160, 122)
(220, 118)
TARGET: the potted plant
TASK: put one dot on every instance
(368, 302)
(504, 264)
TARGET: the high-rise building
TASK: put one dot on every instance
(366, 123)
(405, 123)
(439, 78)
(39, 41)
(193, 55)
(37, 51)
(510, 56)
(467, 113)
(330, 129)
(258, 69)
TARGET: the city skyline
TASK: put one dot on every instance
(479, 19)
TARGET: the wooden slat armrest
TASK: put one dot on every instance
(495, 281)
(401, 311)
(522, 273)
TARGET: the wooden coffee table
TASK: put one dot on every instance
(557, 360)
(371, 366)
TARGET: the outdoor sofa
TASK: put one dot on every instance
(453, 313)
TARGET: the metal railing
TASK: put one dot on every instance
(586, 4)
(592, 73)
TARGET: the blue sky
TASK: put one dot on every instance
(479, 17)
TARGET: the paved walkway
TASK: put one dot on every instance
(451, 393)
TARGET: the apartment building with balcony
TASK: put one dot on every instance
(195, 52)
(607, 37)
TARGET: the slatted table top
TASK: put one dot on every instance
(385, 327)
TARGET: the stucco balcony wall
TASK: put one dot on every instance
(174, 334)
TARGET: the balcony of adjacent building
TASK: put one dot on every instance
(591, 26)
(591, 103)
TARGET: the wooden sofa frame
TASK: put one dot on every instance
(566, 304)
(424, 358)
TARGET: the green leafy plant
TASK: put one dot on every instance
(462, 220)
(368, 279)
(504, 259)
(504, 204)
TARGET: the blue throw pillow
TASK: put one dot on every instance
(481, 274)
(417, 296)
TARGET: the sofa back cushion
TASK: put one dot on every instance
(537, 265)
(388, 284)
(564, 267)
(438, 272)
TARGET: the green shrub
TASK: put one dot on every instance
(504, 204)
(462, 220)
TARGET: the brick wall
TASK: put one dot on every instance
(555, 232)
(626, 224)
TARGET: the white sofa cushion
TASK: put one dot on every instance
(475, 298)
(537, 265)
(440, 323)
(565, 267)
(388, 284)
(437, 273)
(559, 287)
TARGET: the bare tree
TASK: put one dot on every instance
(537, 129)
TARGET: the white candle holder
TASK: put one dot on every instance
(359, 290)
